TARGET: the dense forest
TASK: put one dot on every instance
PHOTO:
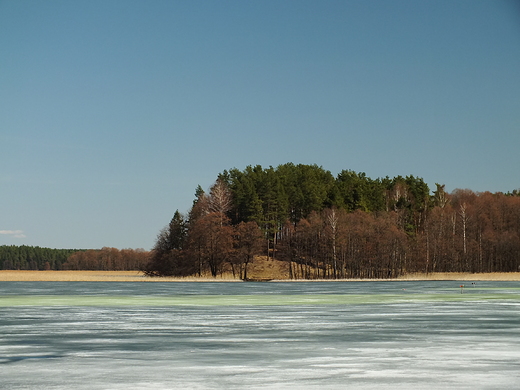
(107, 259)
(35, 258)
(348, 226)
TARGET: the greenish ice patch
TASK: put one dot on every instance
(246, 300)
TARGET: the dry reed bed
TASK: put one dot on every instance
(88, 276)
(136, 276)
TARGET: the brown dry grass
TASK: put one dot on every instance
(262, 268)
(493, 276)
(271, 269)
(70, 276)
(92, 276)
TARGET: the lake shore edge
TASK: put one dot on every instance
(137, 276)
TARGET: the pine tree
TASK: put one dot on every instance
(166, 259)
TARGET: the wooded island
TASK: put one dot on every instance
(349, 226)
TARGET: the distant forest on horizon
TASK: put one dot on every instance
(348, 226)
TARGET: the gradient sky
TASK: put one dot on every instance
(112, 112)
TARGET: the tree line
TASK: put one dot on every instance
(25, 257)
(107, 259)
(35, 258)
(348, 226)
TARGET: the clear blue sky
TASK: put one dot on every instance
(112, 112)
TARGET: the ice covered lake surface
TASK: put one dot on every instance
(306, 335)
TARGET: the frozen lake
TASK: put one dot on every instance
(300, 335)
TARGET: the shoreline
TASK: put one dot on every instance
(137, 276)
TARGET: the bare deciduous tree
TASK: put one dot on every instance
(220, 199)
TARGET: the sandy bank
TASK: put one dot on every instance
(136, 276)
